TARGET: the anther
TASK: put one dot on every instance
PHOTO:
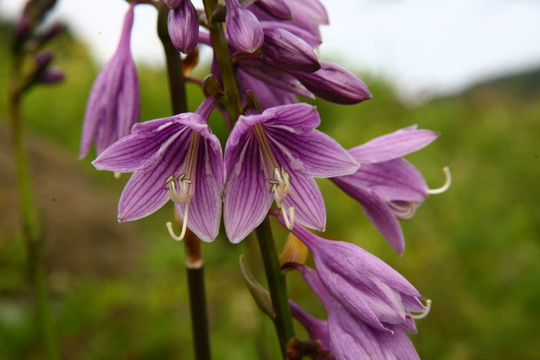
(424, 313)
(446, 184)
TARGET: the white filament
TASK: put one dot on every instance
(424, 313)
(184, 226)
(446, 184)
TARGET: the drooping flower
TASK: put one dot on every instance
(114, 105)
(364, 285)
(176, 158)
(388, 187)
(273, 156)
(351, 338)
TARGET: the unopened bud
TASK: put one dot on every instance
(294, 251)
(183, 27)
(260, 295)
(173, 4)
(50, 33)
(51, 76)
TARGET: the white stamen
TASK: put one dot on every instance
(403, 212)
(184, 226)
(288, 218)
(424, 313)
(171, 232)
(446, 185)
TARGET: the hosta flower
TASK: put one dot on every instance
(388, 187)
(175, 158)
(273, 156)
(352, 339)
(365, 286)
(114, 105)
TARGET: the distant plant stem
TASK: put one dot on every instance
(31, 229)
(276, 284)
(194, 259)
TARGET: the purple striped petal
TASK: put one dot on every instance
(311, 151)
(308, 202)
(378, 211)
(393, 145)
(247, 197)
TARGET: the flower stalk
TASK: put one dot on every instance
(194, 259)
(31, 228)
(276, 284)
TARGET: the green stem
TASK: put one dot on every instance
(194, 259)
(31, 230)
(232, 99)
(276, 284)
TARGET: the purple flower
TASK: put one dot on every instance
(274, 156)
(363, 284)
(113, 106)
(388, 187)
(183, 26)
(244, 30)
(352, 339)
(175, 158)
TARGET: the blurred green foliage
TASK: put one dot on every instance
(473, 250)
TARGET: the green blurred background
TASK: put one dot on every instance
(118, 291)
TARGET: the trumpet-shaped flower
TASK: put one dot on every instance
(362, 283)
(176, 158)
(352, 339)
(113, 106)
(388, 187)
(273, 156)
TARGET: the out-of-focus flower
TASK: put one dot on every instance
(175, 158)
(388, 187)
(114, 105)
(274, 156)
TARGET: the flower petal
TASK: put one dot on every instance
(378, 211)
(393, 145)
(308, 202)
(247, 196)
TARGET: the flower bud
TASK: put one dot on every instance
(277, 8)
(243, 27)
(334, 83)
(283, 48)
(183, 26)
(51, 76)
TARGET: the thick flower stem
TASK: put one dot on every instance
(194, 260)
(232, 99)
(276, 284)
(197, 296)
(31, 229)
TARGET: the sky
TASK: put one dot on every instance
(422, 47)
